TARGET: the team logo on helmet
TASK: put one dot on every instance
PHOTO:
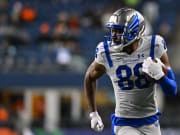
(131, 22)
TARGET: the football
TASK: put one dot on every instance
(164, 69)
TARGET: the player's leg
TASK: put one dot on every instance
(126, 130)
(151, 129)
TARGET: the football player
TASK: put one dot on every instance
(135, 65)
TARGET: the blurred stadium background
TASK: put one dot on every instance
(45, 49)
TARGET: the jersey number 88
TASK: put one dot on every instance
(125, 82)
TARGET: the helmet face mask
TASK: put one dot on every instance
(130, 22)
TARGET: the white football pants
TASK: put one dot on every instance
(151, 129)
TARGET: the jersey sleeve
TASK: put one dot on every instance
(99, 56)
(160, 46)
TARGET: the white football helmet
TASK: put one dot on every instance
(130, 22)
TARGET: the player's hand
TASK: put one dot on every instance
(153, 68)
(96, 122)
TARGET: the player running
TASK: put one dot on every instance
(130, 59)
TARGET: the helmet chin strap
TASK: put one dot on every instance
(121, 46)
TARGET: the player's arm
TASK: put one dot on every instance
(162, 73)
(161, 70)
(167, 82)
(94, 71)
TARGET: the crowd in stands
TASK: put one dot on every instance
(59, 35)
